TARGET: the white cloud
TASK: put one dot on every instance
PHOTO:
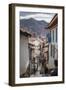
(46, 17)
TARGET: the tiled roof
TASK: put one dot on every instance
(26, 32)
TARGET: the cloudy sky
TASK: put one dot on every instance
(37, 15)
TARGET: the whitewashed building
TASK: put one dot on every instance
(24, 51)
(53, 45)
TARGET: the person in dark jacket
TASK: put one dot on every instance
(54, 72)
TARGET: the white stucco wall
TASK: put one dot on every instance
(24, 54)
(51, 59)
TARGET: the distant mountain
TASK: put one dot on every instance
(38, 27)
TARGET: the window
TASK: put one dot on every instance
(53, 35)
(56, 34)
(51, 49)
